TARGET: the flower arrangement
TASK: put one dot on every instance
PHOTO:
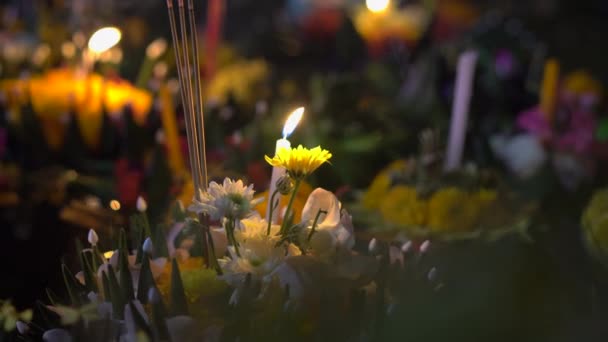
(562, 131)
(86, 95)
(417, 198)
(252, 279)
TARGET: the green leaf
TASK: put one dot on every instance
(139, 222)
(178, 212)
(70, 284)
(140, 247)
(49, 318)
(118, 301)
(160, 243)
(79, 249)
(602, 130)
(140, 322)
(159, 316)
(179, 304)
(126, 281)
(89, 276)
(53, 298)
(363, 143)
(97, 259)
(106, 287)
(146, 280)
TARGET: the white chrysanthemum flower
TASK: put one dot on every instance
(259, 253)
(232, 200)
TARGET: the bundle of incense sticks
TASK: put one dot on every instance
(185, 44)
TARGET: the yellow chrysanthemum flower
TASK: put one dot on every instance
(381, 185)
(402, 206)
(198, 281)
(299, 162)
(595, 224)
(453, 210)
(580, 82)
(241, 79)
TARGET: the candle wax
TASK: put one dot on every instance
(277, 173)
(463, 90)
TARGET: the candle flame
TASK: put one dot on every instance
(115, 205)
(104, 39)
(377, 6)
(292, 121)
(108, 254)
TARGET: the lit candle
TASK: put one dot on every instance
(102, 40)
(463, 90)
(548, 92)
(377, 6)
(278, 172)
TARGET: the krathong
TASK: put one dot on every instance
(161, 288)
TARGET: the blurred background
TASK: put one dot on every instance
(88, 124)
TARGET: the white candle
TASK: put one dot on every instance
(278, 172)
(460, 109)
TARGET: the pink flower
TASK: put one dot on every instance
(534, 122)
(577, 137)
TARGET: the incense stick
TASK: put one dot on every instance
(186, 64)
(199, 115)
(193, 111)
(182, 57)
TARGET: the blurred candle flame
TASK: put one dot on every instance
(377, 6)
(104, 39)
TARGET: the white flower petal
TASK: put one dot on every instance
(57, 335)
(321, 199)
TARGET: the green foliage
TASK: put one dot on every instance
(146, 280)
(178, 301)
(116, 294)
(126, 281)
(89, 274)
(71, 285)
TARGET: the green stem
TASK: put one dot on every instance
(314, 223)
(289, 205)
(210, 246)
(216, 264)
(230, 234)
(144, 73)
(148, 229)
(94, 255)
(272, 208)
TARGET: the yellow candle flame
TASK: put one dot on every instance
(108, 254)
(104, 39)
(292, 121)
(115, 205)
(377, 6)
